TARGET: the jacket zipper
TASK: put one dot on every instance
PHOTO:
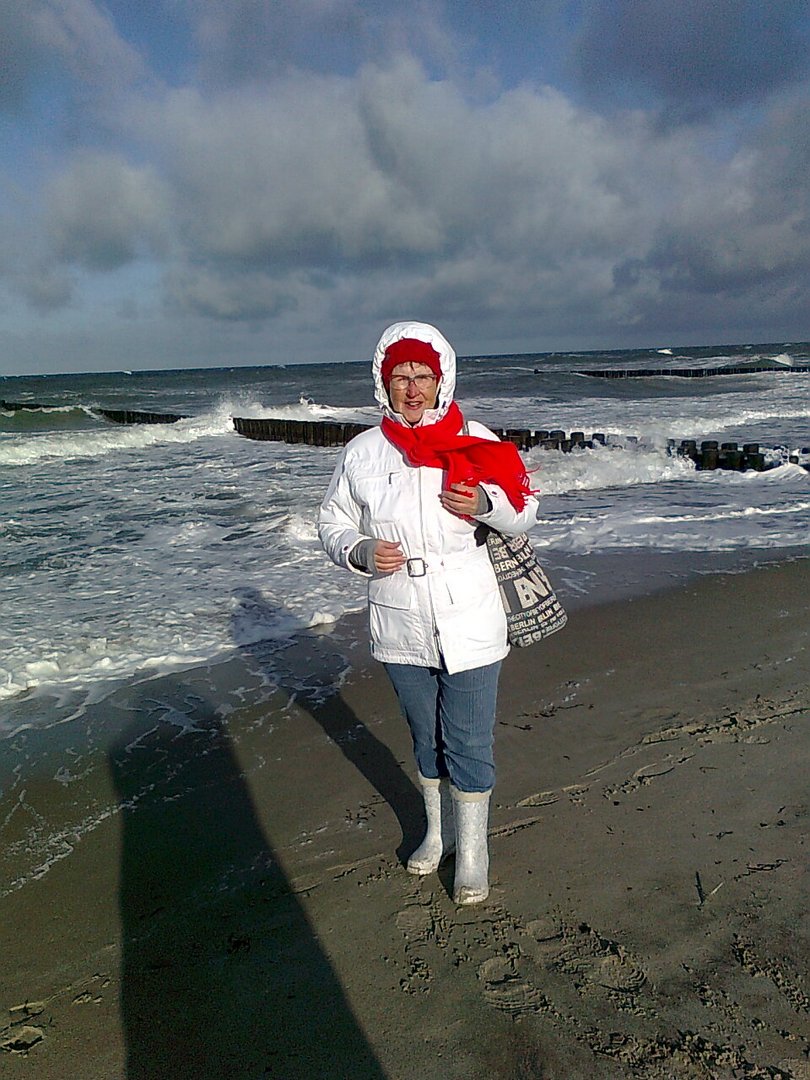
(436, 640)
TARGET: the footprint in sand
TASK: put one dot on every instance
(586, 957)
(544, 939)
(546, 928)
(591, 958)
(415, 922)
(618, 973)
(23, 1040)
(506, 990)
(421, 927)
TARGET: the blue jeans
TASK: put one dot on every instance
(452, 721)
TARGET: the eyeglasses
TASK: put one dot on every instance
(421, 382)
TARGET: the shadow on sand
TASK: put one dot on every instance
(312, 677)
(222, 974)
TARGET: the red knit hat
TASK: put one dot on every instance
(410, 351)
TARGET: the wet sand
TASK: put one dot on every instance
(202, 878)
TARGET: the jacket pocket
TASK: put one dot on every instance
(383, 496)
(391, 590)
(468, 584)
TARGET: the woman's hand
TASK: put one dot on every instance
(463, 500)
(388, 556)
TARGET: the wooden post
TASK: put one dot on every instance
(709, 458)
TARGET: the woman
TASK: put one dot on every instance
(405, 507)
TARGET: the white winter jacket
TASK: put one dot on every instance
(444, 606)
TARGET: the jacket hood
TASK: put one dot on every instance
(447, 358)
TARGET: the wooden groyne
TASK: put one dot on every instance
(325, 433)
(708, 454)
(304, 432)
(131, 416)
(118, 416)
(686, 373)
(18, 406)
(728, 455)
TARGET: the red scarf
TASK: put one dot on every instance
(465, 458)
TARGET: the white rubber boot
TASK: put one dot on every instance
(440, 838)
(471, 884)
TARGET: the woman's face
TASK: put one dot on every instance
(412, 389)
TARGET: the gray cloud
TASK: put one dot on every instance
(248, 40)
(45, 287)
(76, 38)
(343, 173)
(83, 36)
(741, 239)
(691, 55)
(19, 55)
(522, 208)
(782, 149)
(103, 212)
(241, 42)
(308, 199)
(251, 296)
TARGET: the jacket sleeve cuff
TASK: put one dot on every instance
(488, 515)
(361, 557)
(503, 517)
(355, 556)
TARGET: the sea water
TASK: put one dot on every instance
(132, 551)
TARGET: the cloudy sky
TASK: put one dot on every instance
(195, 182)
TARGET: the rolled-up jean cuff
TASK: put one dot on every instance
(470, 796)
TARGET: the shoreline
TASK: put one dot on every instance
(581, 581)
(247, 912)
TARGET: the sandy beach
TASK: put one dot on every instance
(217, 891)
